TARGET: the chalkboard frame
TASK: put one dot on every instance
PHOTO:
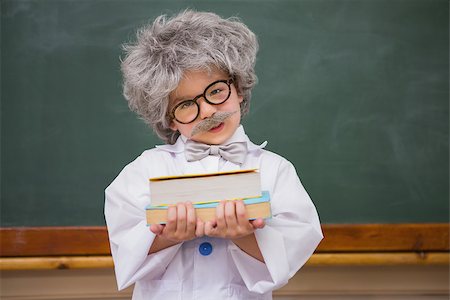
(346, 163)
(350, 238)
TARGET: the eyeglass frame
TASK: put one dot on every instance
(228, 82)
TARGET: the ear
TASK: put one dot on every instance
(240, 98)
(238, 92)
(173, 126)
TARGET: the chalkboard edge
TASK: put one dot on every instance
(339, 238)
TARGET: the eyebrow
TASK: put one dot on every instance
(186, 98)
(183, 98)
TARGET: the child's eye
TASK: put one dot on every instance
(215, 92)
(186, 105)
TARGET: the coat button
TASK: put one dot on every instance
(205, 249)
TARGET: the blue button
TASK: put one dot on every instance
(205, 249)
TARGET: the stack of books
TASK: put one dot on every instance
(206, 191)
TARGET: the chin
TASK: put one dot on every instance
(209, 140)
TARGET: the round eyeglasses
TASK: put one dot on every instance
(216, 93)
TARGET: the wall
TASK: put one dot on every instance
(311, 283)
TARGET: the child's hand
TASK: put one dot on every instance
(232, 221)
(182, 224)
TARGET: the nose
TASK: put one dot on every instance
(206, 109)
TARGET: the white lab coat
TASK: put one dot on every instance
(181, 271)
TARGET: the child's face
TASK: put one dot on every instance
(194, 84)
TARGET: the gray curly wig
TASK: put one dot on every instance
(154, 65)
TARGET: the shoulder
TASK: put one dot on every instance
(273, 159)
(266, 159)
(160, 154)
(276, 171)
(154, 154)
(273, 165)
(150, 163)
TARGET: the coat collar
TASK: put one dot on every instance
(238, 136)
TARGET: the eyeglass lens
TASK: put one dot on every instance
(187, 111)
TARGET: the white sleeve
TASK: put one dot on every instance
(288, 239)
(129, 236)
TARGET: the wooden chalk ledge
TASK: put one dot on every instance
(318, 259)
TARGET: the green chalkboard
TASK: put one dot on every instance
(354, 93)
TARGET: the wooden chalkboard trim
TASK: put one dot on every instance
(417, 237)
(79, 241)
(55, 262)
(318, 259)
(49, 241)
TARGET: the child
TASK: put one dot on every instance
(190, 78)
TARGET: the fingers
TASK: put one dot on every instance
(241, 213)
(181, 223)
(231, 222)
(199, 228)
(258, 223)
(220, 215)
(191, 219)
(181, 219)
(230, 214)
(156, 228)
(225, 219)
(171, 224)
(211, 228)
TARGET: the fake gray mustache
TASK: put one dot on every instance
(212, 122)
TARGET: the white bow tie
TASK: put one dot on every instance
(234, 152)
